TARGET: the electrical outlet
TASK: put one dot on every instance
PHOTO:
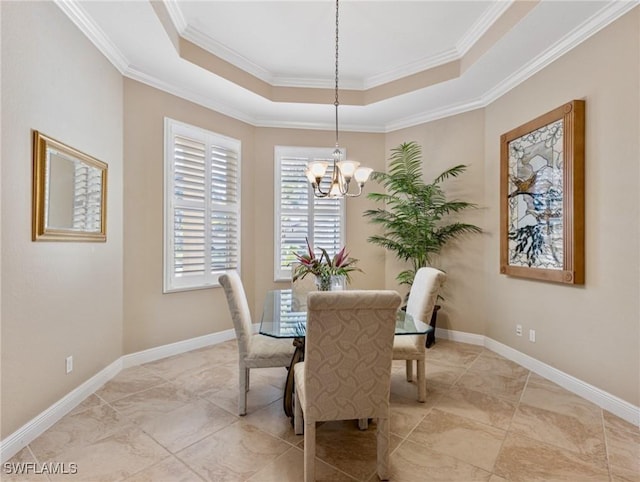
(532, 336)
(69, 364)
(519, 330)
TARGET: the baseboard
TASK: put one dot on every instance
(38, 425)
(45, 420)
(164, 351)
(604, 400)
(460, 336)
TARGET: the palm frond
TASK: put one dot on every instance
(455, 171)
(413, 219)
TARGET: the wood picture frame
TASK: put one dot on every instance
(542, 197)
(69, 193)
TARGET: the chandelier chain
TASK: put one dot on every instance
(342, 172)
(336, 103)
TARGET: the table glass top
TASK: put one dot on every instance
(281, 320)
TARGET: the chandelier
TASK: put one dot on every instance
(343, 171)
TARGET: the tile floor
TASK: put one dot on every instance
(485, 418)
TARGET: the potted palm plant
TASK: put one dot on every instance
(414, 214)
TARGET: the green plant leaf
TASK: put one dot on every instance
(414, 219)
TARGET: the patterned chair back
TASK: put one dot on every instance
(424, 295)
(348, 351)
(239, 309)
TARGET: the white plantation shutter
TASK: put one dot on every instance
(299, 214)
(87, 197)
(225, 209)
(202, 206)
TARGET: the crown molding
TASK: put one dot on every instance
(318, 83)
(179, 22)
(435, 114)
(597, 22)
(412, 68)
(322, 126)
(186, 94)
(204, 41)
(93, 32)
(480, 27)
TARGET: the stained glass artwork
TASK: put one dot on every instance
(542, 164)
(535, 198)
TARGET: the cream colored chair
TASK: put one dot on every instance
(254, 351)
(422, 300)
(346, 374)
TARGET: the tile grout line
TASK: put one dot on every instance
(606, 444)
(507, 432)
(451, 386)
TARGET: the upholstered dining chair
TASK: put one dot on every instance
(254, 351)
(346, 373)
(422, 300)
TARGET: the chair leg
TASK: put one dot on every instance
(298, 420)
(363, 423)
(248, 380)
(409, 370)
(382, 441)
(309, 451)
(422, 381)
(242, 390)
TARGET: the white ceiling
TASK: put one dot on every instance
(292, 44)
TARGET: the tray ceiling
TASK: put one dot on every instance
(271, 63)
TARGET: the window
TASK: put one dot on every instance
(202, 206)
(298, 213)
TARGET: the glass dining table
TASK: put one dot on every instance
(282, 317)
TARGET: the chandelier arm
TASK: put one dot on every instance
(343, 185)
(317, 187)
(355, 194)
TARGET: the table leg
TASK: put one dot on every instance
(298, 356)
(431, 336)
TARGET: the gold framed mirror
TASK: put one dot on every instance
(69, 193)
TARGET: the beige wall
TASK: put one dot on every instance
(58, 298)
(447, 143)
(152, 318)
(62, 299)
(591, 331)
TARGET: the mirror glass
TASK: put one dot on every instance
(69, 193)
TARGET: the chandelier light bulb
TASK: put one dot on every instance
(347, 168)
(335, 191)
(310, 177)
(362, 174)
(318, 168)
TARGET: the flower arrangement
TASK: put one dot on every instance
(323, 266)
